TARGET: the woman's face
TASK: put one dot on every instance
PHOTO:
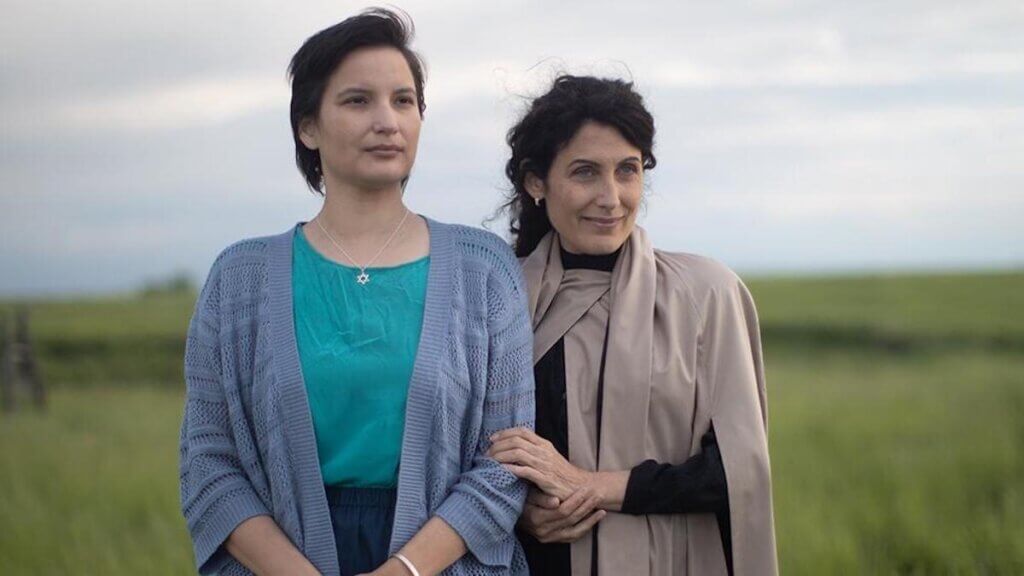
(592, 190)
(368, 125)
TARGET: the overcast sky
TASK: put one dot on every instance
(141, 138)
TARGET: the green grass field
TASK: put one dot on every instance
(895, 413)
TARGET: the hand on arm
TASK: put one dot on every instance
(549, 521)
(533, 458)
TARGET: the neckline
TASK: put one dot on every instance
(300, 233)
(601, 262)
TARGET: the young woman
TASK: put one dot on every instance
(650, 456)
(343, 377)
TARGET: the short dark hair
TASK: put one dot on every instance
(550, 122)
(321, 54)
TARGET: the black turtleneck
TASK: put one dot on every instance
(602, 262)
(698, 485)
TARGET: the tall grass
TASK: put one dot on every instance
(896, 431)
(90, 486)
(899, 465)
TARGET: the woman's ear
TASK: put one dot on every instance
(535, 187)
(308, 133)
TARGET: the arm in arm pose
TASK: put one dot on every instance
(480, 512)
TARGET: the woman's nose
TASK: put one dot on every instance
(609, 193)
(385, 120)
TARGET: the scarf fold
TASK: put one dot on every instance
(683, 349)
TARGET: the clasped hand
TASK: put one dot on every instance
(549, 520)
(565, 504)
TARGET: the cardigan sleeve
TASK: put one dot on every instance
(487, 500)
(216, 495)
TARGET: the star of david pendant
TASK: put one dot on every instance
(363, 278)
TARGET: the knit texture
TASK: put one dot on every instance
(247, 443)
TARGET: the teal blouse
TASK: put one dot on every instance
(357, 344)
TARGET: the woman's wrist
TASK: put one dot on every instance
(610, 488)
(392, 567)
(580, 480)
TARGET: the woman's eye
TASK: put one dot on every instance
(629, 169)
(355, 100)
(584, 171)
(406, 100)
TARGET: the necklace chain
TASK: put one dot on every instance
(363, 277)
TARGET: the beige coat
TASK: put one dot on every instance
(684, 352)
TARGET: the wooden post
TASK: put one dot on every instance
(28, 370)
(6, 368)
(18, 369)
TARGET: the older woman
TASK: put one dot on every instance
(650, 456)
(343, 376)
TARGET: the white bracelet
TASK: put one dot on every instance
(408, 564)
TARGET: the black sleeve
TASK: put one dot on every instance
(695, 486)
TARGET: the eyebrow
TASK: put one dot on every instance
(589, 162)
(361, 91)
(354, 90)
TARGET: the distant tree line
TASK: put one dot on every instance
(177, 283)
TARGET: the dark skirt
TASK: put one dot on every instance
(362, 520)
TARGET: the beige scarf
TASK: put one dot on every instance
(684, 352)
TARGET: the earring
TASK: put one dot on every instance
(536, 201)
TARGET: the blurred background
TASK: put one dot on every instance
(859, 164)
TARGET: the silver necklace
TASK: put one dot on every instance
(363, 277)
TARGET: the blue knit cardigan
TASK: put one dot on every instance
(247, 444)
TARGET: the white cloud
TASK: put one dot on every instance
(177, 106)
(826, 131)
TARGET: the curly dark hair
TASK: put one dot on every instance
(321, 54)
(551, 121)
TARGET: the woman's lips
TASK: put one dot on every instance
(604, 222)
(385, 150)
